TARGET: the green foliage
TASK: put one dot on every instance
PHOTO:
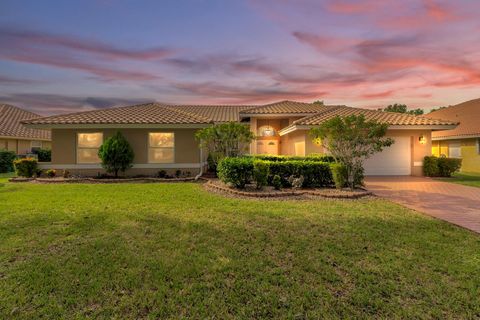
(51, 173)
(260, 173)
(44, 155)
(320, 102)
(235, 170)
(339, 175)
(230, 139)
(437, 108)
(274, 158)
(277, 182)
(6, 161)
(238, 171)
(440, 167)
(351, 140)
(26, 167)
(402, 108)
(116, 154)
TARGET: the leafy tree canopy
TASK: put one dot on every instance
(351, 140)
(402, 108)
(116, 154)
(318, 102)
(230, 139)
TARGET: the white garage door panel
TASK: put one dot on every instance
(394, 161)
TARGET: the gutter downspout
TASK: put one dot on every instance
(201, 165)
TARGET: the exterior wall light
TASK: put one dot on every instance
(422, 139)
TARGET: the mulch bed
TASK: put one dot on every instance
(99, 181)
(269, 192)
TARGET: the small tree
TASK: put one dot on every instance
(225, 140)
(116, 154)
(351, 140)
(402, 108)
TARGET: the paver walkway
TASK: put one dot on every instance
(455, 203)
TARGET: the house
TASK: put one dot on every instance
(463, 141)
(16, 137)
(163, 136)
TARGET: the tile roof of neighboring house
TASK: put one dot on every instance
(285, 107)
(390, 118)
(10, 125)
(149, 113)
(467, 113)
(218, 113)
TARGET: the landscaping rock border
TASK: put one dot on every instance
(100, 181)
(323, 193)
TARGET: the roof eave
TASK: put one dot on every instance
(275, 115)
(457, 137)
(117, 125)
(25, 138)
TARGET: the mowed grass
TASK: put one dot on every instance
(131, 251)
(468, 179)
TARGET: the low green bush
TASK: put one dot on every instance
(237, 171)
(6, 161)
(339, 175)
(440, 167)
(315, 174)
(51, 173)
(26, 167)
(44, 155)
(260, 173)
(275, 158)
(277, 182)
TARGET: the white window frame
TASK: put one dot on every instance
(150, 147)
(33, 141)
(89, 148)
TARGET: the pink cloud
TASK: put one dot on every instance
(351, 7)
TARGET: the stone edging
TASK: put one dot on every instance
(93, 180)
(280, 194)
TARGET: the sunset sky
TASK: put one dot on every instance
(66, 56)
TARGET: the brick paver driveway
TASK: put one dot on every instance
(451, 202)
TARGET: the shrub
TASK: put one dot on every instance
(162, 174)
(116, 154)
(237, 171)
(315, 174)
(66, 174)
(260, 173)
(6, 161)
(430, 166)
(277, 182)
(51, 173)
(339, 174)
(178, 173)
(26, 167)
(440, 167)
(44, 155)
(274, 158)
(448, 166)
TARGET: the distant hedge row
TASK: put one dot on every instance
(287, 172)
(312, 157)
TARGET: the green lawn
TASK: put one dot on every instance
(468, 179)
(163, 251)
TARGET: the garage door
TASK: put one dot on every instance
(394, 160)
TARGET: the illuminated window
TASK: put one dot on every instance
(161, 147)
(87, 147)
(267, 131)
(454, 150)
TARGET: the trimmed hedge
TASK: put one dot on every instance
(44, 155)
(26, 167)
(440, 167)
(6, 160)
(318, 158)
(239, 172)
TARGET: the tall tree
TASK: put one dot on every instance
(225, 140)
(402, 108)
(351, 140)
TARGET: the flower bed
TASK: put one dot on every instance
(269, 192)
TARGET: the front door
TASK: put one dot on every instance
(267, 147)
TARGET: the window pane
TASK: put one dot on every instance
(161, 139)
(90, 140)
(87, 156)
(160, 155)
(455, 150)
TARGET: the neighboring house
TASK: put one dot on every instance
(463, 141)
(163, 136)
(16, 137)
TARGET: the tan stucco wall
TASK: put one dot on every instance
(20, 146)
(186, 147)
